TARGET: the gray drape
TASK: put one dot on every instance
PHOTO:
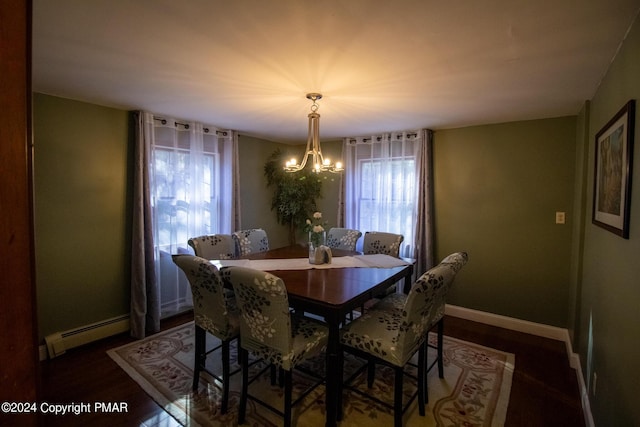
(425, 222)
(236, 223)
(340, 221)
(145, 300)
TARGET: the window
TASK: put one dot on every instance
(381, 185)
(374, 206)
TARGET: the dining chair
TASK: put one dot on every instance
(377, 242)
(396, 302)
(215, 312)
(271, 332)
(394, 330)
(250, 241)
(343, 238)
(214, 246)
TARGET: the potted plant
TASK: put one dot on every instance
(294, 193)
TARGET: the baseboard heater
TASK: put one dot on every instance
(59, 342)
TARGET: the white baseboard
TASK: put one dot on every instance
(584, 393)
(511, 323)
(546, 331)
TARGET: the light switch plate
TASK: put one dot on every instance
(559, 217)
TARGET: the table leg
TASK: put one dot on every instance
(333, 369)
(408, 282)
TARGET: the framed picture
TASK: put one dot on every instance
(612, 177)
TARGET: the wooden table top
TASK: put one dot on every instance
(332, 286)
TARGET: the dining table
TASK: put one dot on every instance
(332, 291)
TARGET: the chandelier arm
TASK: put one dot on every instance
(314, 134)
(308, 151)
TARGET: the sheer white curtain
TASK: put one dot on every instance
(384, 185)
(192, 175)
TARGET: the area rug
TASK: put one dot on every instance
(474, 392)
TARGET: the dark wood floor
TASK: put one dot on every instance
(544, 390)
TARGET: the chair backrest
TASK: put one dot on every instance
(343, 238)
(214, 307)
(376, 242)
(251, 241)
(214, 246)
(425, 304)
(265, 321)
(458, 258)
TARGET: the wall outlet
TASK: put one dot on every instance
(559, 217)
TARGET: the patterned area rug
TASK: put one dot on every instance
(474, 392)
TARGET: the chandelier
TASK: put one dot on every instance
(313, 150)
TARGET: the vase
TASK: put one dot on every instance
(316, 240)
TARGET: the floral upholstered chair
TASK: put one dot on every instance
(215, 312)
(270, 331)
(376, 242)
(251, 241)
(214, 246)
(343, 238)
(392, 331)
(396, 302)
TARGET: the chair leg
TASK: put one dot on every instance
(440, 340)
(242, 408)
(225, 376)
(397, 400)
(272, 371)
(340, 382)
(200, 355)
(426, 372)
(371, 372)
(288, 387)
(422, 398)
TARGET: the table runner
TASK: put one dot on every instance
(374, 260)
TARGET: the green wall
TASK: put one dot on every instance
(610, 288)
(497, 189)
(81, 211)
(255, 199)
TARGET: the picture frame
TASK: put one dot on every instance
(612, 174)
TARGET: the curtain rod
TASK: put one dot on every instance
(186, 126)
(378, 138)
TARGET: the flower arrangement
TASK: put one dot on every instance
(316, 229)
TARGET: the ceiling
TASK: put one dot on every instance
(381, 65)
